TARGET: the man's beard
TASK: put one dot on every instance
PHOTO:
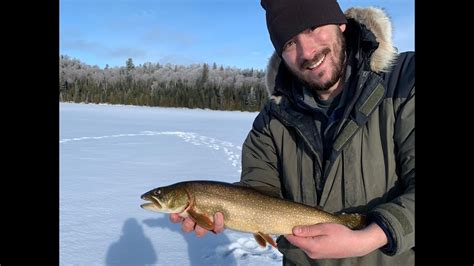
(338, 67)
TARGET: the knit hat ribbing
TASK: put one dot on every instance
(287, 18)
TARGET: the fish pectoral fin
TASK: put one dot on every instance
(262, 239)
(201, 219)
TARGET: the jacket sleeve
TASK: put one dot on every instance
(398, 215)
(259, 158)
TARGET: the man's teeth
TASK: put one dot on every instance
(315, 65)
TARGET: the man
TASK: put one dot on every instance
(338, 133)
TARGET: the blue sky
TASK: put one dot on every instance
(227, 32)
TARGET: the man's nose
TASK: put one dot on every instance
(305, 47)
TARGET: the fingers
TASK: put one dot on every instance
(309, 230)
(200, 231)
(218, 223)
(218, 226)
(175, 218)
(188, 225)
(304, 236)
(297, 241)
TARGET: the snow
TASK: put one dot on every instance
(111, 154)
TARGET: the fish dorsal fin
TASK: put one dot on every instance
(201, 219)
(262, 239)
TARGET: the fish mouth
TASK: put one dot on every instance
(147, 205)
(152, 201)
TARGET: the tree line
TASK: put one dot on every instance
(152, 84)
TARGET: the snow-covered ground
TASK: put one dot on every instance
(110, 155)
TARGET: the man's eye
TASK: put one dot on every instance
(289, 44)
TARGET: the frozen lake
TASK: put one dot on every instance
(111, 154)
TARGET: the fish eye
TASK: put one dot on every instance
(157, 192)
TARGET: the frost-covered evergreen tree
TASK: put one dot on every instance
(153, 84)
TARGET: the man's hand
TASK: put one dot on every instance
(188, 225)
(329, 240)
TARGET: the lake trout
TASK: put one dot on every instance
(244, 208)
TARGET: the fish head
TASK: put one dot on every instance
(170, 199)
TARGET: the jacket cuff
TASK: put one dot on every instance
(399, 223)
(389, 248)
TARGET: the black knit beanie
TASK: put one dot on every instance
(287, 18)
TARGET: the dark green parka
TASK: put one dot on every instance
(371, 167)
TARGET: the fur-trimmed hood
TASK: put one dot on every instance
(375, 20)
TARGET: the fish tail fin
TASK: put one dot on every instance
(353, 220)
